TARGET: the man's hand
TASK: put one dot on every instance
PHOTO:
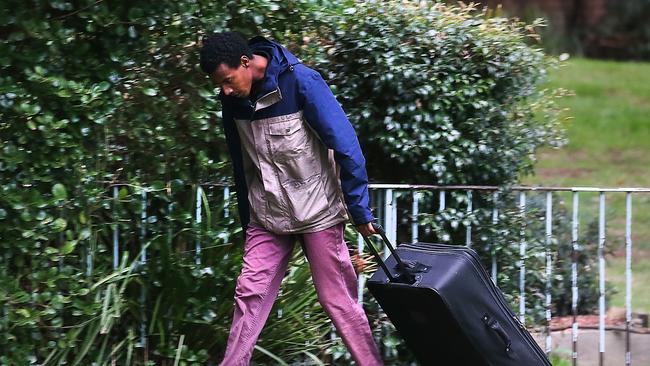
(359, 263)
(366, 229)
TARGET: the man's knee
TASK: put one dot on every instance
(253, 282)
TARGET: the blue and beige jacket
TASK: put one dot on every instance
(296, 158)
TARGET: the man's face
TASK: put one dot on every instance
(236, 82)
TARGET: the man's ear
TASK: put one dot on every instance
(245, 61)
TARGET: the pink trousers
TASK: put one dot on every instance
(266, 257)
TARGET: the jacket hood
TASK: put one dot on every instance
(280, 61)
(281, 58)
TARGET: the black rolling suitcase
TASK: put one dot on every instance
(448, 310)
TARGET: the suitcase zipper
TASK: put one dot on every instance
(499, 296)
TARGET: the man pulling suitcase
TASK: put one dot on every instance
(287, 135)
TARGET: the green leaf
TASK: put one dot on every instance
(30, 109)
(26, 216)
(205, 93)
(27, 234)
(133, 33)
(23, 312)
(84, 234)
(59, 192)
(69, 246)
(64, 93)
(157, 185)
(271, 355)
(150, 92)
(103, 86)
(59, 224)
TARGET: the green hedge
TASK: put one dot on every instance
(442, 95)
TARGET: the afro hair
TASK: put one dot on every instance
(223, 48)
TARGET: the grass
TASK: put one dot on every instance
(609, 146)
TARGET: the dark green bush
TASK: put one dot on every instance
(441, 95)
(93, 93)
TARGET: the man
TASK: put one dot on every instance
(288, 138)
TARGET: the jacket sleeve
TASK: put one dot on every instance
(325, 115)
(234, 147)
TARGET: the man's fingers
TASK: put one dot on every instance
(362, 230)
(366, 229)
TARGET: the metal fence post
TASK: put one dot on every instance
(549, 240)
(601, 278)
(143, 262)
(198, 218)
(574, 279)
(468, 230)
(495, 220)
(415, 211)
(116, 230)
(628, 276)
(522, 255)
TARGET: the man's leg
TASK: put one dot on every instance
(266, 256)
(336, 285)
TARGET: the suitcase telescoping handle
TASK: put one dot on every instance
(405, 269)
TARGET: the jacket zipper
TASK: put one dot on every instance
(263, 96)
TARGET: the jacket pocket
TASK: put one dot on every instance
(307, 200)
(287, 139)
(292, 150)
(285, 128)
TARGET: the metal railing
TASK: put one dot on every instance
(385, 201)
